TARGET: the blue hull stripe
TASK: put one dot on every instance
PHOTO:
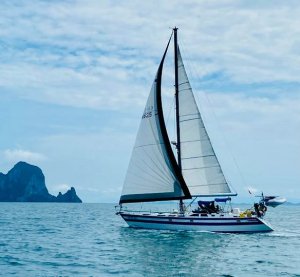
(195, 223)
(255, 220)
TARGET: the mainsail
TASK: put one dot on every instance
(200, 167)
(153, 173)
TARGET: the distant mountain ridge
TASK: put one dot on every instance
(26, 183)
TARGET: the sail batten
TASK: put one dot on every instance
(200, 166)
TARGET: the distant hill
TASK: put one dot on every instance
(26, 183)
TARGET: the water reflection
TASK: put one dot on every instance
(173, 253)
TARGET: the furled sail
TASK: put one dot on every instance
(153, 173)
(200, 167)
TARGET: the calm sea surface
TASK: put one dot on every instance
(90, 240)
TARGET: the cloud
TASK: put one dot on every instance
(243, 114)
(60, 188)
(104, 55)
(16, 155)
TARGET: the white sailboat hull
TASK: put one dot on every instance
(223, 224)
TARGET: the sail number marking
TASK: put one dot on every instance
(148, 112)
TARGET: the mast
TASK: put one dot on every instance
(177, 109)
(177, 98)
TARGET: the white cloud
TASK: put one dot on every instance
(16, 155)
(99, 54)
(104, 55)
(60, 188)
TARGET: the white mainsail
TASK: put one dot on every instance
(200, 167)
(152, 173)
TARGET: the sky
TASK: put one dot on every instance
(75, 76)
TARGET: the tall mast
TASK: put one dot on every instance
(177, 109)
(177, 97)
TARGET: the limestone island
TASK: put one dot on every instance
(26, 183)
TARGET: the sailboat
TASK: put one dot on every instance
(154, 174)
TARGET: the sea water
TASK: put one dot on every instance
(39, 239)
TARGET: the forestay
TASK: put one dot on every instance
(200, 167)
(153, 174)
